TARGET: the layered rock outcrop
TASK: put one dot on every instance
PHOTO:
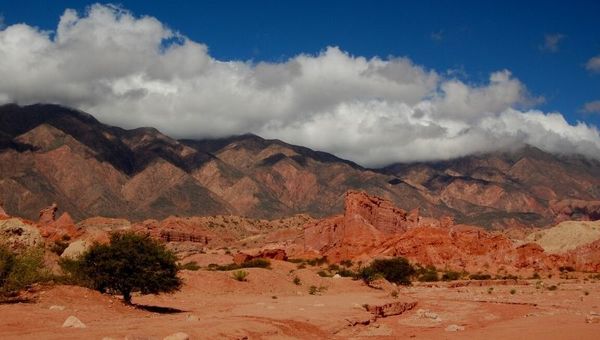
(372, 227)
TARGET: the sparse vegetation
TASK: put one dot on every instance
(451, 276)
(323, 273)
(427, 274)
(314, 290)
(255, 263)
(566, 269)
(480, 276)
(553, 288)
(17, 271)
(129, 263)
(346, 263)
(394, 294)
(297, 281)
(513, 291)
(490, 290)
(59, 246)
(397, 270)
(192, 265)
(240, 275)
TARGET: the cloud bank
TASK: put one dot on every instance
(134, 71)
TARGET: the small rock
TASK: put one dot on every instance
(454, 328)
(192, 318)
(592, 318)
(56, 307)
(337, 276)
(177, 336)
(73, 322)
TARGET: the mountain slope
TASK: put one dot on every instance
(50, 153)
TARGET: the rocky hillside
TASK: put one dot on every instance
(51, 154)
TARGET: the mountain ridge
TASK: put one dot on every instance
(57, 154)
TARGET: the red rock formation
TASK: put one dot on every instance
(3, 213)
(372, 227)
(48, 214)
(571, 209)
(274, 254)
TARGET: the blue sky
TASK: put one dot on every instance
(477, 75)
(473, 37)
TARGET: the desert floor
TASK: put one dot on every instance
(212, 305)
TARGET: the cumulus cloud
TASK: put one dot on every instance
(593, 65)
(552, 42)
(591, 107)
(135, 71)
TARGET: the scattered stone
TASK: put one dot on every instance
(422, 313)
(73, 322)
(592, 317)
(454, 328)
(192, 318)
(177, 336)
(392, 308)
(56, 307)
(337, 276)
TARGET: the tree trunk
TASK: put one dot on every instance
(127, 297)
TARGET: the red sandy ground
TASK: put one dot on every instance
(270, 306)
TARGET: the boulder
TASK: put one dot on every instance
(76, 248)
(273, 254)
(73, 322)
(19, 235)
(392, 308)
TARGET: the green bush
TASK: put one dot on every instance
(396, 270)
(240, 275)
(19, 271)
(297, 281)
(255, 263)
(59, 246)
(323, 273)
(428, 274)
(192, 265)
(343, 272)
(451, 276)
(480, 276)
(7, 263)
(129, 263)
(346, 263)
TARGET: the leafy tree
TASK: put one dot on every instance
(397, 270)
(130, 263)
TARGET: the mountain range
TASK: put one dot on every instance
(54, 154)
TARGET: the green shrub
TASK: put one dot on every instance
(566, 269)
(535, 276)
(451, 276)
(343, 272)
(255, 263)
(480, 276)
(323, 273)
(428, 274)
(297, 281)
(333, 267)
(58, 247)
(7, 263)
(314, 290)
(513, 291)
(192, 265)
(20, 271)
(396, 270)
(346, 263)
(552, 288)
(129, 263)
(318, 261)
(240, 275)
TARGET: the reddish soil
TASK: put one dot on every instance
(270, 306)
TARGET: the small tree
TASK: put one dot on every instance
(130, 263)
(397, 270)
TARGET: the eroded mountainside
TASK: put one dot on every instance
(50, 153)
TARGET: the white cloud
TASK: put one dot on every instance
(134, 71)
(552, 42)
(593, 65)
